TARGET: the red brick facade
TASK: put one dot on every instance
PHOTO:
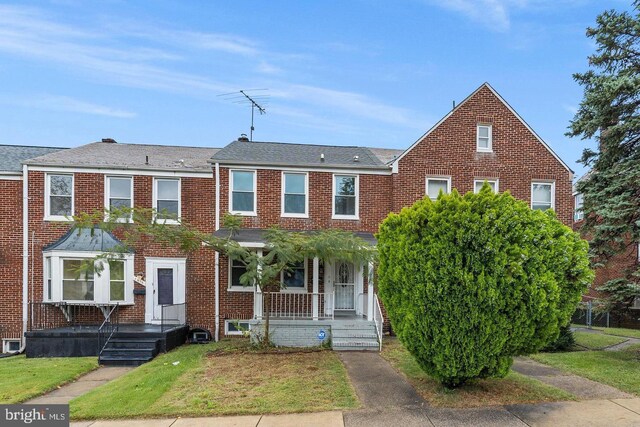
(518, 159)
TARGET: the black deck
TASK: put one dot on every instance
(80, 341)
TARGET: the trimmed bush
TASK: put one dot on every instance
(470, 281)
(564, 342)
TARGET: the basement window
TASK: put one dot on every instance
(236, 327)
(10, 346)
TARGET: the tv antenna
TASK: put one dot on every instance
(257, 102)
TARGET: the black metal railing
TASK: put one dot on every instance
(46, 315)
(173, 315)
(108, 328)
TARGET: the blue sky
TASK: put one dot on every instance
(374, 73)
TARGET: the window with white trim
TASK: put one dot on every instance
(167, 199)
(578, 213)
(294, 194)
(236, 269)
(295, 279)
(76, 285)
(542, 197)
(484, 138)
(243, 192)
(437, 184)
(345, 196)
(10, 345)
(236, 327)
(116, 280)
(66, 281)
(119, 194)
(59, 197)
(478, 183)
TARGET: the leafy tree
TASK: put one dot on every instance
(471, 281)
(282, 249)
(609, 113)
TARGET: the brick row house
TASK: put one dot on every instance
(295, 186)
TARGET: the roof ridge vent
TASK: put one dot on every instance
(243, 137)
(109, 141)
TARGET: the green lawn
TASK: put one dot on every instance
(621, 332)
(596, 341)
(222, 379)
(620, 369)
(23, 378)
(512, 389)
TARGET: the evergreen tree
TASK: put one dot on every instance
(609, 113)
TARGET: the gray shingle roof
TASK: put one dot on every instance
(386, 155)
(85, 240)
(285, 154)
(12, 156)
(131, 156)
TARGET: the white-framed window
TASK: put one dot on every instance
(116, 280)
(167, 199)
(484, 138)
(237, 269)
(236, 327)
(478, 183)
(295, 190)
(295, 280)
(64, 281)
(242, 192)
(436, 184)
(119, 194)
(59, 204)
(578, 213)
(542, 195)
(345, 196)
(10, 345)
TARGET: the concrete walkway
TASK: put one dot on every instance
(574, 384)
(81, 386)
(629, 341)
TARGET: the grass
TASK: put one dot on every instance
(223, 378)
(23, 378)
(620, 332)
(596, 341)
(620, 369)
(512, 389)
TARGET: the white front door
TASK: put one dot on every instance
(345, 285)
(165, 286)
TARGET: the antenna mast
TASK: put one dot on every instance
(242, 97)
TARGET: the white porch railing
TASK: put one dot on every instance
(377, 318)
(290, 305)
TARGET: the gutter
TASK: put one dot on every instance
(217, 256)
(25, 254)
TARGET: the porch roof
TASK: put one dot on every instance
(256, 235)
(85, 240)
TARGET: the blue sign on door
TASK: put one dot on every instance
(322, 335)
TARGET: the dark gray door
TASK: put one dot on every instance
(165, 286)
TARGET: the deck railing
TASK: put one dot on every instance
(46, 315)
(173, 315)
(108, 328)
(290, 305)
(377, 318)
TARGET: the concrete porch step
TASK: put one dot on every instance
(355, 344)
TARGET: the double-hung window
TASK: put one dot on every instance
(119, 195)
(167, 199)
(345, 196)
(294, 194)
(116, 280)
(236, 269)
(243, 192)
(578, 213)
(437, 184)
(478, 183)
(294, 278)
(484, 138)
(542, 197)
(77, 285)
(59, 197)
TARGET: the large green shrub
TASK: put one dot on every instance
(470, 281)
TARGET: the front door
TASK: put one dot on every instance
(345, 285)
(165, 286)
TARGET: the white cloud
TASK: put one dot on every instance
(65, 103)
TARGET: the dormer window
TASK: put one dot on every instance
(484, 138)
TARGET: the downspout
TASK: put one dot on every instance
(217, 256)
(25, 254)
